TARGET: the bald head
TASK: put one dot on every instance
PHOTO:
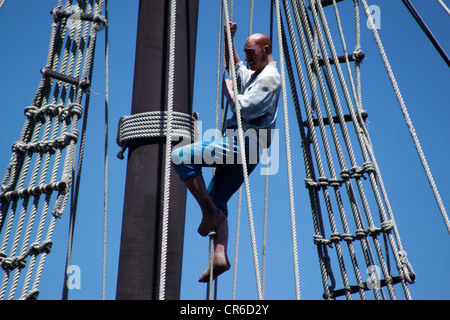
(261, 40)
(258, 51)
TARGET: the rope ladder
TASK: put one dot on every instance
(45, 168)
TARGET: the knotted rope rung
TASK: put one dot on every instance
(33, 191)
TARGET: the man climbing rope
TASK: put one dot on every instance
(258, 93)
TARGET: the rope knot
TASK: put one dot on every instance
(19, 147)
(310, 183)
(334, 182)
(348, 237)
(100, 22)
(319, 240)
(373, 231)
(34, 114)
(358, 55)
(360, 233)
(323, 181)
(9, 264)
(37, 248)
(345, 174)
(406, 267)
(70, 111)
(357, 172)
(53, 110)
(71, 136)
(335, 237)
(387, 226)
(369, 167)
(154, 124)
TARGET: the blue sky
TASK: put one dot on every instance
(423, 78)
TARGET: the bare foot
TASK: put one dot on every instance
(219, 267)
(210, 221)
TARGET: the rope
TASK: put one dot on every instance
(105, 202)
(306, 152)
(301, 19)
(45, 109)
(242, 147)
(444, 6)
(288, 151)
(219, 98)
(347, 141)
(321, 80)
(210, 286)
(85, 73)
(154, 124)
(240, 200)
(266, 185)
(396, 244)
(336, 102)
(46, 118)
(165, 223)
(219, 73)
(407, 118)
(426, 30)
(236, 252)
(252, 6)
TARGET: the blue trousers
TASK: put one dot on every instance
(222, 153)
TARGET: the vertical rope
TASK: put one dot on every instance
(83, 71)
(288, 150)
(236, 252)
(210, 285)
(250, 28)
(242, 147)
(105, 203)
(165, 224)
(307, 38)
(266, 198)
(219, 72)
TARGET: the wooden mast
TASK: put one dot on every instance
(140, 248)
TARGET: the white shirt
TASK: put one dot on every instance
(258, 98)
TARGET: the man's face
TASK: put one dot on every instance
(255, 55)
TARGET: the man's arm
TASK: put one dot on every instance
(233, 29)
(228, 90)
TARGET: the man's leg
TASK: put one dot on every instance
(220, 260)
(211, 215)
(188, 162)
(226, 181)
